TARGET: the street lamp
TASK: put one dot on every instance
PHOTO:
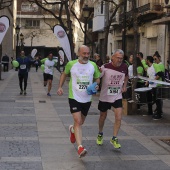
(124, 28)
(22, 41)
(86, 13)
(17, 29)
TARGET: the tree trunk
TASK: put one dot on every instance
(70, 34)
(135, 29)
(106, 30)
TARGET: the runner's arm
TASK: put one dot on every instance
(62, 80)
(97, 81)
(124, 88)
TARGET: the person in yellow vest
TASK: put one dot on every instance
(157, 60)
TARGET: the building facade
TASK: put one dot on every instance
(36, 25)
(8, 42)
(153, 30)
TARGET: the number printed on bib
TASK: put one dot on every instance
(113, 90)
(23, 66)
(82, 86)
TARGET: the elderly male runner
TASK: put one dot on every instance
(114, 80)
(82, 72)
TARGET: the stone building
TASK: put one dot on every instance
(36, 25)
(8, 43)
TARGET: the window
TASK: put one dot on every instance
(32, 23)
(28, 7)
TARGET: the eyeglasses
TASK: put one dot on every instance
(118, 58)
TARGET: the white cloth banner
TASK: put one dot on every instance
(63, 39)
(61, 53)
(4, 25)
(154, 81)
(33, 52)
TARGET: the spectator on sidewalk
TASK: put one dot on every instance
(37, 63)
(12, 58)
(82, 72)
(99, 61)
(154, 73)
(114, 81)
(143, 61)
(5, 62)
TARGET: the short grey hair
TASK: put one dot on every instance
(83, 46)
(96, 54)
(119, 51)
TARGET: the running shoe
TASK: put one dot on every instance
(25, 92)
(157, 116)
(82, 151)
(72, 136)
(21, 92)
(99, 140)
(115, 143)
(48, 94)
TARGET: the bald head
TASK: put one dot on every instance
(83, 53)
(82, 47)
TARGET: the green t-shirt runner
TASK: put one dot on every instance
(82, 76)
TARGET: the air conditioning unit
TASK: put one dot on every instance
(167, 3)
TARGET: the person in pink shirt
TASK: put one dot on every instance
(115, 78)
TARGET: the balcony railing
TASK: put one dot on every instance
(150, 7)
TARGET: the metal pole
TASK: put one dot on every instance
(124, 28)
(85, 31)
(17, 38)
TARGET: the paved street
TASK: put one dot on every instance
(34, 132)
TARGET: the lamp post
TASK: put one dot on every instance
(22, 41)
(17, 30)
(86, 13)
(124, 28)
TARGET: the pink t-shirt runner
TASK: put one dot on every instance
(112, 82)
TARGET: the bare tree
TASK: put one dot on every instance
(63, 10)
(135, 29)
(3, 4)
(110, 20)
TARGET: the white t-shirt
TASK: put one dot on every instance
(130, 71)
(49, 65)
(82, 76)
(151, 73)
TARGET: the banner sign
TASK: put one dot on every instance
(63, 39)
(61, 53)
(4, 25)
(154, 81)
(33, 52)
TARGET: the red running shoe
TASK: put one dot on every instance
(82, 151)
(72, 136)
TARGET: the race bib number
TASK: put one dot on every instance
(113, 90)
(23, 66)
(82, 86)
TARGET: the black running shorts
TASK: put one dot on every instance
(104, 106)
(76, 106)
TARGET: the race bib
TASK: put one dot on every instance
(113, 90)
(23, 66)
(82, 86)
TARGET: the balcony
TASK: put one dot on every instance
(150, 11)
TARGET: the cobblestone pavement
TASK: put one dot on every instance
(34, 132)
